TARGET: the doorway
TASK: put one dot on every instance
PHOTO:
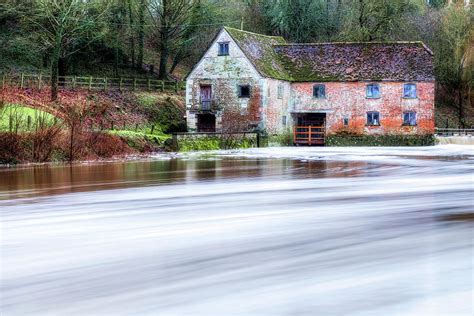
(310, 129)
(206, 123)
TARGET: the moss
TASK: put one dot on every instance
(380, 140)
(195, 143)
(260, 50)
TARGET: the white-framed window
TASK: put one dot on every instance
(319, 91)
(372, 91)
(409, 91)
(223, 49)
(280, 91)
(409, 118)
(373, 118)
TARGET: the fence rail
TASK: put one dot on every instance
(40, 81)
(454, 131)
(309, 135)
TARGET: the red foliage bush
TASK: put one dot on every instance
(106, 145)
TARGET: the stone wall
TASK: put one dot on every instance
(348, 99)
(276, 112)
(224, 74)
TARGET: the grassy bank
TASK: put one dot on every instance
(85, 125)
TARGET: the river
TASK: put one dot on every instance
(272, 231)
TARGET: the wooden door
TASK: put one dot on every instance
(206, 123)
(206, 97)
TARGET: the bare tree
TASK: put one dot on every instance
(141, 31)
(62, 25)
(171, 19)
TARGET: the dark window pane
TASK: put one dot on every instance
(373, 91)
(244, 91)
(223, 49)
(409, 118)
(409, 91)
(319, 91)
(373, 118)
(346, 121)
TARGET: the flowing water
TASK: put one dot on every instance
(276, 231)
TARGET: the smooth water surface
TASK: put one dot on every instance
(276, 231)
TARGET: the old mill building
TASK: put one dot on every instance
(247, 81)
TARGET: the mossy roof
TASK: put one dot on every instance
(260, 50)
(343, 61)
(391, 61)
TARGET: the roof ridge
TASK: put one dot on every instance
(340, 43)
(253, 33)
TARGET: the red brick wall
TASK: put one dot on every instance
(348, 99)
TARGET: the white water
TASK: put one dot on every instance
(355, 239)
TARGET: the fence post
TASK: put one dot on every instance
(3, 81)
(90, 82)
(120, 84)
(148, 84)
(39, 81)
(105, 83)
(162, 85)
(29, 122)
(134, 84)
(22, 80)
(74, 82)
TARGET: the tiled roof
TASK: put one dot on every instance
(364, 61)
(260, 50)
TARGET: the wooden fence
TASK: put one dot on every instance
(454, 131)
(309, 135)
(39, 81)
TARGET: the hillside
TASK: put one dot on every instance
(84, 125)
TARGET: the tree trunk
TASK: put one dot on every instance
(328, 29)
(54, 73)
(71, 142)
(116, 60)
(164, 54)
(132, 37)
(461, 108)
(141, 33)
(176, 61)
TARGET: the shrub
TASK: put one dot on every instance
(165, 112)
(192, 143)
(380, 140)
(10, 148)
(283, 139)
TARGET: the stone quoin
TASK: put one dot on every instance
(252, 82)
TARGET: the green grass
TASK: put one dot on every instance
(139, 134)
(14, 117)
(140, 140)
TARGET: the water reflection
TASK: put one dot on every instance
(59, 179)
